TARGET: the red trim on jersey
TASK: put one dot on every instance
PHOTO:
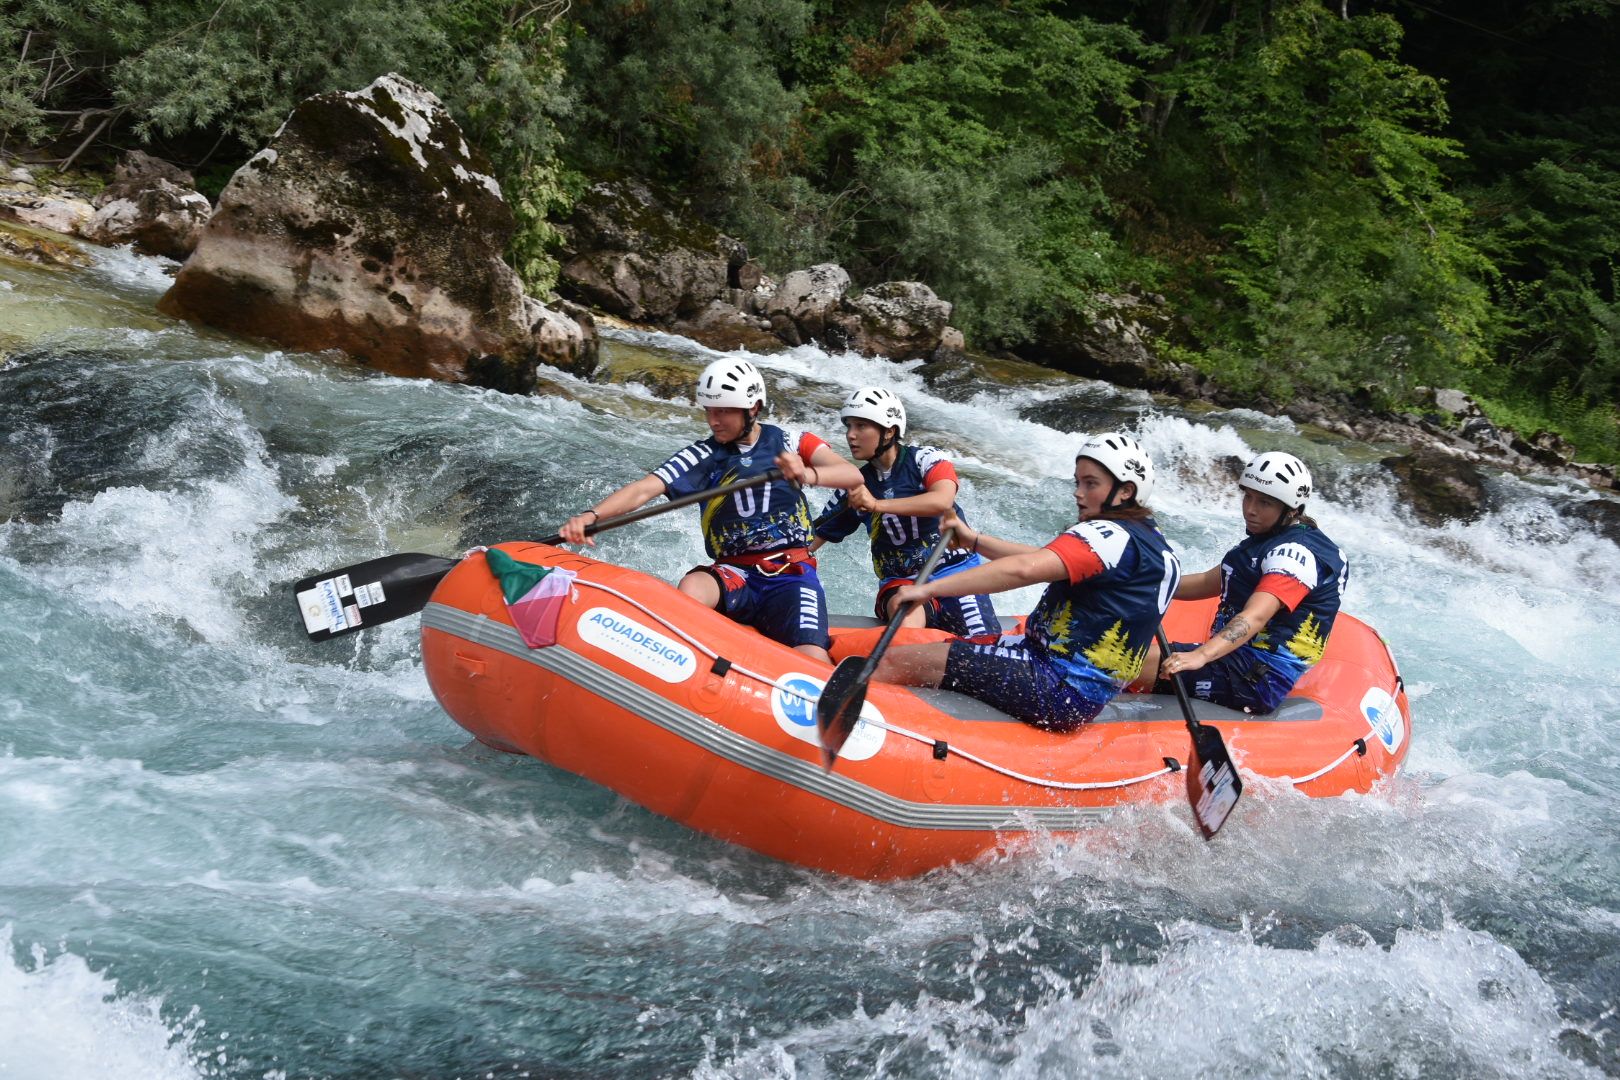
(942, 470)
(808, 445)
(1290, 590)
(1078, 558)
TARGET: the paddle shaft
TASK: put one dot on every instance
(381, 590)
(869, 668)
(1175, 680)
(839, 708)
(1214, 786)
(766, 477)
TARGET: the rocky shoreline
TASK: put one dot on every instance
(369, 225)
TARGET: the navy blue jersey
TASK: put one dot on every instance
(755, 520)
(1307, 572)
(900, 543)
(1097, 624)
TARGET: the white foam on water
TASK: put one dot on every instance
(121, 265)
(1216, 1003)
(62, 1020)
(169, 554)
(322, 790)
(1349, 1005)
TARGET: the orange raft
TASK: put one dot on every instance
(694, 717)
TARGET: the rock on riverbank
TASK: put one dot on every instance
(371, 226)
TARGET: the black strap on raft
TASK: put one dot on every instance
(1361, 747)
(941, 748)
(1172, 764)
(720, 666)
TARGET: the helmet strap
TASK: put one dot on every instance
(748, 425)
(1290, 517)
(1108, 503)
(886, 443)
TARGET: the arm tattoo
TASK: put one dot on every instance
(1237, 631)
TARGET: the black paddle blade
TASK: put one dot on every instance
(840, 707)
(1214, 786)
(366, 594)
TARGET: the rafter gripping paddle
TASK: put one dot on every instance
(381, 590)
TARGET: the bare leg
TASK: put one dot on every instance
(701, 587)
(916, 617)
(914, 665)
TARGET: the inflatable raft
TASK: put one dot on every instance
(692, 716)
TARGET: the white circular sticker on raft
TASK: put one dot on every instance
(793, 703)
(1384, 716)
(636, 644)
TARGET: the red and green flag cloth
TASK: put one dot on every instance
(534, 595)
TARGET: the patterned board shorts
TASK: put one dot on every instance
(1022, 682)
(1238, 680)
(789, 607)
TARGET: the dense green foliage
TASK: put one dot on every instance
(1339, 229)
(1351, 198)
(205, 82)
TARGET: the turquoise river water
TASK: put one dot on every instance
(228, 852)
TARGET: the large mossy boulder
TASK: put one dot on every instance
(1117, 342)
(1439, 487)
(804, 304)
(369, 225)
(632, 256)
(902, 320)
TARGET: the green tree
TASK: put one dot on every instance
(688, 92)
(1341, 248)
(505, 84)
(965, 146)
(199, 73)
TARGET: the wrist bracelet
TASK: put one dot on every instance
(976, 538)
(595, 517)
(815, 474)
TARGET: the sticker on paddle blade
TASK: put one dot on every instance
(793, 703)
(1214, 786)
(322, 608)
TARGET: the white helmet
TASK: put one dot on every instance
(730, 384)
(1123, 458)
(1282, 476)
(882, 407)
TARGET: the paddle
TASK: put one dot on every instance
(841, 699)
(381, 590)
(1215, 785)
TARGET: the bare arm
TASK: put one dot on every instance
(1200, 586)
(827, 468)
(971, 539)
(630, 497)
(1242, 628)
(1033, 567)
(940, 497)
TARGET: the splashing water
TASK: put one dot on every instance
(229, 852)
